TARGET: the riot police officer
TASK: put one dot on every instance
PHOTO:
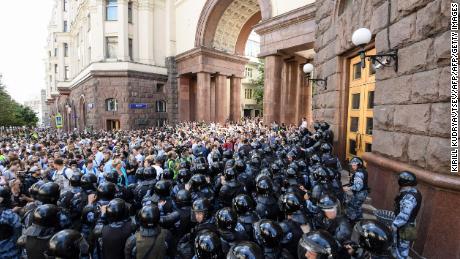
(317, 244)
(150, 241)
(183, 205)
(374, 240)
(267, 204)
(112, 236)
(331, 220)
(407, 206)
(45, 222)
(358, 186)
(207, 245)
(245, 249)
(67, 244)
(10, 226)
(229, 230)
(228, 188)
(268, 235)
(243, 205)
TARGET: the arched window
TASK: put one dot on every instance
(160, 106)
(111, 105)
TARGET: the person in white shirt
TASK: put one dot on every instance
(304, 123)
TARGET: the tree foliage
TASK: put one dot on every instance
(259, 83)
(13, 113)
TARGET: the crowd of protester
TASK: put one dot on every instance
(192, 190)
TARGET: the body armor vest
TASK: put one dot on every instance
(114, 239)
(365, 186)
(418, 198)
(150, 246)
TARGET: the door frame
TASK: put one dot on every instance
(343, 87)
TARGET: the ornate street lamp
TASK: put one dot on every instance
(308, 69)
(361, 37)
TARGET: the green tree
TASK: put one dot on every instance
(259, 83)
(13, 113)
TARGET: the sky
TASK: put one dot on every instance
(23, 34)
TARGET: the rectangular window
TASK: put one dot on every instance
(160, 88)
(55, 68)
(369, 125)
(111, 47)
(131, 49)
(66, 50)
(65, 5)
(357, 71)
(249, 72)
(55, 52)
(67, 73)
(111, 10)
(352, 147)
(370, 100)
(354, 124)
(130, 12)
(355, 101)
(111, 105)
(51, 80)
(65, 26)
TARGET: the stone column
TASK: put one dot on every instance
(289, 93)
(146, 32)
(135, 27)
(272, 89)
(97, 32)
(222, 105)
(235, 99)
(203, 97)
(123, 42)
(213, 98)
(170, 33)
(184, 98)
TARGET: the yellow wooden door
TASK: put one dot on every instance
(360, 107)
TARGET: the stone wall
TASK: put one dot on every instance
(411, 112)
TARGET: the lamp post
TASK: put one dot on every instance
(361, 37)
(308, 69)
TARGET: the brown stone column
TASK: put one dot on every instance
(272, 88)
(289, 93)
(222, 105)
(203, 100)
(214, 101)
(235, 101)
(303, 96)
(184, 98)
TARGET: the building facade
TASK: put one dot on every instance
(107, 65)
(249, 106)
(190, 54)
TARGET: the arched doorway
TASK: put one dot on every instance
(210, 74)
(82, 113)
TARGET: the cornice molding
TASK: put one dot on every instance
(279, 22)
